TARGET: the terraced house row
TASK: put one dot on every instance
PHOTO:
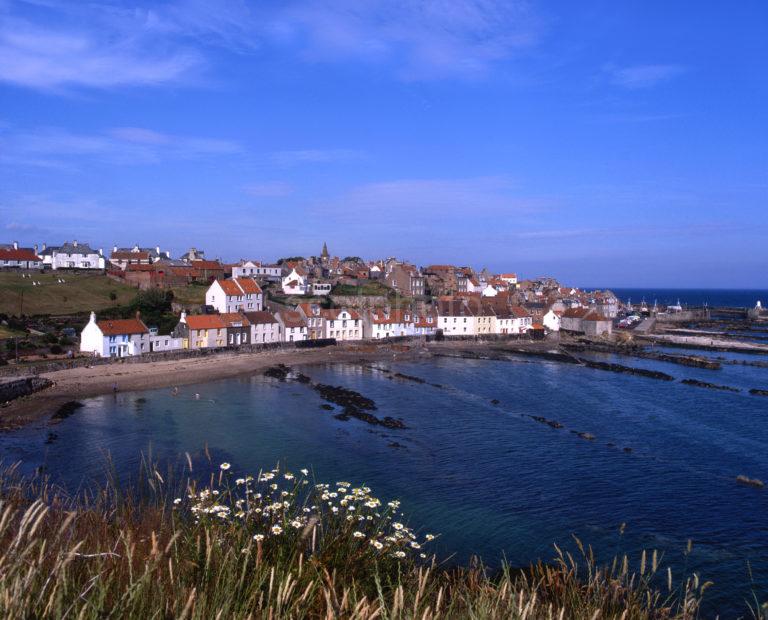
(240, 320)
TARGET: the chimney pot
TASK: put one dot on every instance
(15, 245)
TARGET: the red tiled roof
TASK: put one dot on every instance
(575, 313)
(333, 313)
(230, 318)
(260, 317)
(291, 318)
(239, 286)
(307, 309)
(378, 316)
(230, 288)
(595, 316)
(208, 264)
(248, 285)
(519, 312)
(23, 254)
(205, 321)
(117, 327)
(128, 255)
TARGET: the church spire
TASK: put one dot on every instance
(325, 251)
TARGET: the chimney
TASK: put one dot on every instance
(35, 248)
(157, 249)
(43, 248)
(74, 243)
(138, 315)
(93, 317)
(183, 317)
(114, 249)
(101, 251)
(15, 245)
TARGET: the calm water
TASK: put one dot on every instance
(694, 297)
(488, 477)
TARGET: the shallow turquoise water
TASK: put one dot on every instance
(489, 478)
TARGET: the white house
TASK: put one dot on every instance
(509, 278)
(72, 256)
(455, 318)
(312, 314)
(255, 269)
(490, 291)
(342, 324)
(265, 328)
(159, 342)
(425, 324)
(293, 324)
(523, 320)
(295, 283)
(115, 338)
(387, 323)
(19, 258)
(551, 320)
(235, 295)
(122, 257)
(474, 285)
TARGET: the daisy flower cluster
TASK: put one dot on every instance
(276, 505)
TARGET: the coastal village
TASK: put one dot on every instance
(315, 300)
(321, 298)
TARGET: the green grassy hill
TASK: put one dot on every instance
(79, 293)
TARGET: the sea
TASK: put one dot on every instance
(657, 469)
(716, 298)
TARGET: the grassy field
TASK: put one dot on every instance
(191, 295)
(278, 546)
(79, 293)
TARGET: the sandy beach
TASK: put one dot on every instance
(76, 383)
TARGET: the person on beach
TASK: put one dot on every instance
(114, 387)
(175, 391)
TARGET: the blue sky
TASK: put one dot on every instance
(602, 142)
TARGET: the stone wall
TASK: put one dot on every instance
(16, 388)
(358, 301)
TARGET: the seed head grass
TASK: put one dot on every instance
(277, 544)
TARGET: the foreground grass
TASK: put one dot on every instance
(277, 546)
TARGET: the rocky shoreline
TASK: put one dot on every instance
(70, 385)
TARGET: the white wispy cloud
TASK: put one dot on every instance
(424, 39)
(56, 58)
(643, 76)
(56, 147)
(62, 45)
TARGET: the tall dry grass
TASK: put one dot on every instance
(277, 546)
